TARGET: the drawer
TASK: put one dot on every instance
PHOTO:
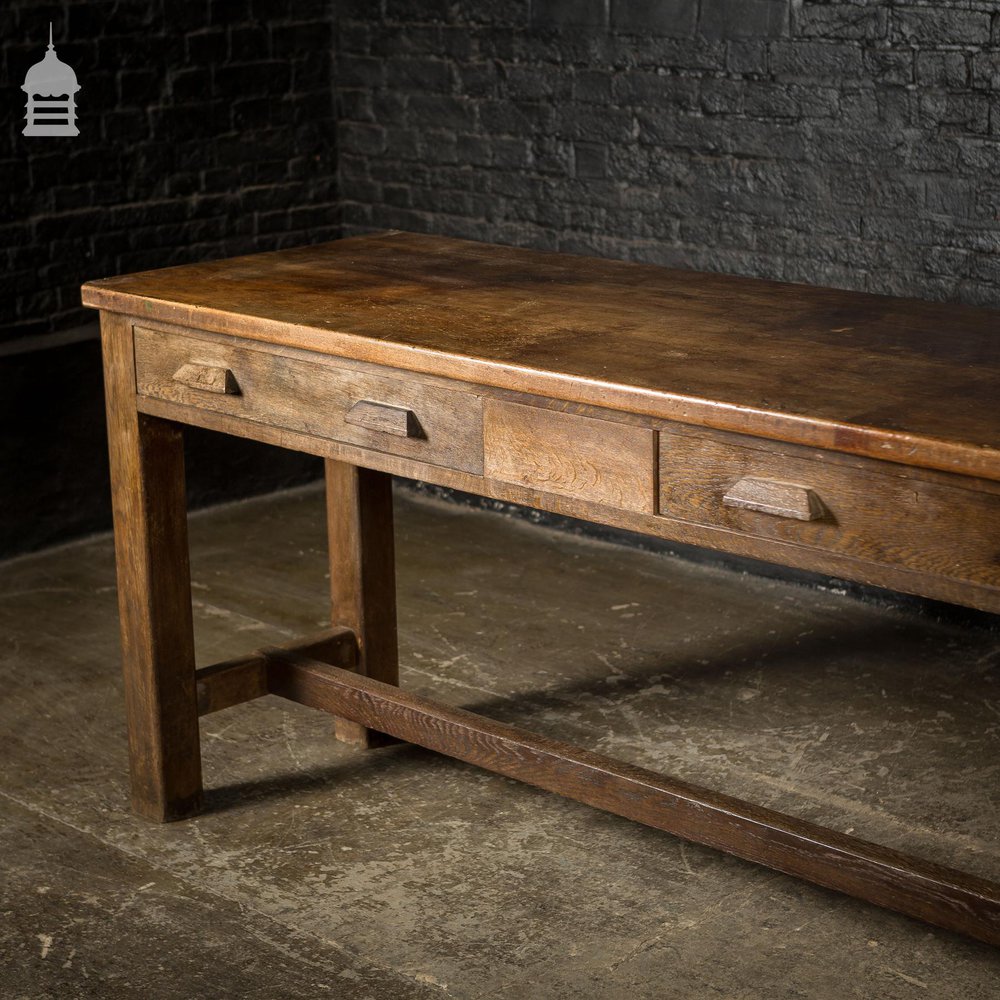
(878, 512)
(414, 416)
(586, 458)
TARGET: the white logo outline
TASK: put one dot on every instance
(51, 86)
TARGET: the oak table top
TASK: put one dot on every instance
(905, 380)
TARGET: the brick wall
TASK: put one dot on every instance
(850, 144)
(206, 129)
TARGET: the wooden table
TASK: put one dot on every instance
(850, 434)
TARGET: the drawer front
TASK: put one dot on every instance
(874, 511)
(408, 415)
(594, 460)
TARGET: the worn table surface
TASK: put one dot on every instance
(911, 381)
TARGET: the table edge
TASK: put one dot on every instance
(905, 448)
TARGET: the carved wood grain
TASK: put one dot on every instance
(775, 497)
(244, 678)
(928, 527)
(363, 576)
(600, 461)
(208, 378)
(314, 396)
(154, 591)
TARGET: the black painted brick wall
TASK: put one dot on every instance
(206, 130)
(849, 144)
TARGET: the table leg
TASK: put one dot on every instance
(154, 591)
(363, 577)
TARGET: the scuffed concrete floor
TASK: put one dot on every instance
(320, 871)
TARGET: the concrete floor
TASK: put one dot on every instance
(323, 871)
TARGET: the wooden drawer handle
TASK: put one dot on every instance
(386, 418)
(770, 497)
(209, 378)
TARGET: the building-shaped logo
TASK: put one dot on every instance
(51, 88)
